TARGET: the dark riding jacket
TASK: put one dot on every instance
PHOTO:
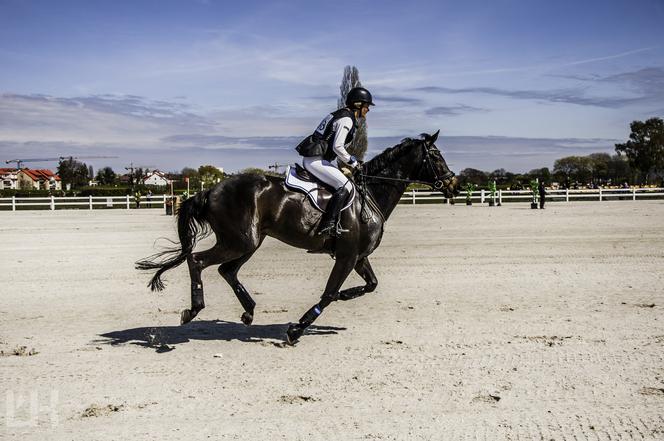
(322, 141)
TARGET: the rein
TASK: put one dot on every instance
(439, 182)
(368, 197)
(409, 181)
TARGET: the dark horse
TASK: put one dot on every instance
(244, 209)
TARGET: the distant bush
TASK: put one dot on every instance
(97, 191)
(27, 193)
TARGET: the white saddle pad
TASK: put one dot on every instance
(312, 189)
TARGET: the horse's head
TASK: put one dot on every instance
(435, 170)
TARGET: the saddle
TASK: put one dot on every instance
(319, 193)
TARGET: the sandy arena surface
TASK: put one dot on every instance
(488, 323)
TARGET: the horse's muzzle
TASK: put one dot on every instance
(450, 187)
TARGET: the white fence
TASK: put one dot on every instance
(413, 197)
(89, 202)
(503, 196)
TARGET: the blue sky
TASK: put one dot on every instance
(510, 84)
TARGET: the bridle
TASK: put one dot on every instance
(439, 181)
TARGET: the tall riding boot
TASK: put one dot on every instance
(328, 224)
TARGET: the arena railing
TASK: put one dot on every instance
(565, 195)
(82, 202)
(409, 197)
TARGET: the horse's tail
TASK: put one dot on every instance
(192, 225)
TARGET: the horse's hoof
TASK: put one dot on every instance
(186, 316)
(247, 318)
(293, 334)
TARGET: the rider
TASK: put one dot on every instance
(336, 131)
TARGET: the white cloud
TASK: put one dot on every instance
(94, 119)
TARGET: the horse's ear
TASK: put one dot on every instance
(430, 139)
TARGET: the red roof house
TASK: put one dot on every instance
(38, 179)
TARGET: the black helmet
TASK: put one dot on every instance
(358, 95)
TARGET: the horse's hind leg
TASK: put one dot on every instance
(229, 272)
(197, 262)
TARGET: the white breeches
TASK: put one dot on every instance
(327, 172)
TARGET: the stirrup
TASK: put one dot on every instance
(333, 230)
(329, 229)
(339, 229)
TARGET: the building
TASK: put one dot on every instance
(156, 178)
(42, 179)
(8, 179)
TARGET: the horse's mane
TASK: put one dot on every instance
(383, 160)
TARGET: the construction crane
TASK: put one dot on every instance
(131, 167)
(277, 166)
(19, 162)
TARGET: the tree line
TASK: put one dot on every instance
(594, 169)
(78, 174)
(639, 161)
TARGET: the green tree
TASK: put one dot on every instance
(190, 173)
(544, 174)
(210, 175)
(106, 176)
(645, 147)
(472, 176)
(619, 170)
(139, 174)
(351, 79)
(573, 169)
(499, 175)
(254, 170)
(599, 167)
(73, 172)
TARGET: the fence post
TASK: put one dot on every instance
(500, 197)
(52, 202)
(127, 202)
(600, 194)
(567, 195)
(164, 200)
(413, 195)
(90, 201)
(482, 196)
(13, 203)
(633, 194)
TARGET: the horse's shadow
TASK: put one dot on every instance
(164, 338)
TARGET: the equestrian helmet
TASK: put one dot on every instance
(358, 95)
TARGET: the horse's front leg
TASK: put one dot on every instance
(363, 268)
(342, 268)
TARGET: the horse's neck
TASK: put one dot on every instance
(388, 193)
(387, 196)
